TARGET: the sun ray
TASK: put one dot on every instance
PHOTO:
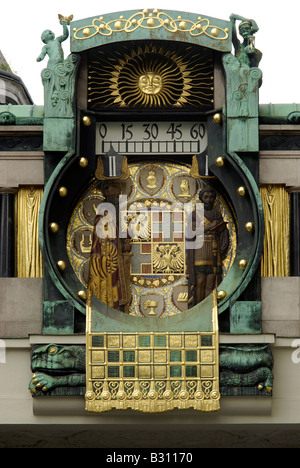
(150, 75)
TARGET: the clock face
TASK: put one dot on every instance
(147, 138)
(158, 198)
(162, 180)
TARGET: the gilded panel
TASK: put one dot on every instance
(29, 257)
(276, 254)
(158, 197)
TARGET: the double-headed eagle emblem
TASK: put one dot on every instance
(168, 258)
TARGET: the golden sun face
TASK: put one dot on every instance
(150, 83)
(151, 76)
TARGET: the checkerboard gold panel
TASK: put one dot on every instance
(152, 372)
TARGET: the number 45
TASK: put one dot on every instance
(175, 131)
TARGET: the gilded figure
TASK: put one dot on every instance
(184, 189)
(205, 263)
(109, 265)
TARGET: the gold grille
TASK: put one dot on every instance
(152, 372)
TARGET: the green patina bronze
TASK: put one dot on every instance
(243, 79)
(154, 24)
(59, 92)
(235, 139)
(59, 370)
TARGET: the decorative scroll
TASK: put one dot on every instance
(243, 84)
(29, 258)
(276, 255)
(151, 20)
(152, 372)
(59, 88)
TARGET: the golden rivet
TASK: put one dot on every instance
(221, 295)
(220, 161)
(241, 191)
(242, 264)
(86, 32)
(61, 265)
(217, 118)
(54, 227)
(82, 294)
(63, 191)
(151, 22)
(249, 226)
(215, 32)
(118, 25)
(182, 25)
(155, 11)
(86, 120)
(83, 162)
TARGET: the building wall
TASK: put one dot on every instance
(20, 330)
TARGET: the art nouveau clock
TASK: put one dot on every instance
(149, 138)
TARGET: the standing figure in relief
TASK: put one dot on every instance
(108, 273)
(205, 263)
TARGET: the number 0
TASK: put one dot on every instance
(102, 130)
